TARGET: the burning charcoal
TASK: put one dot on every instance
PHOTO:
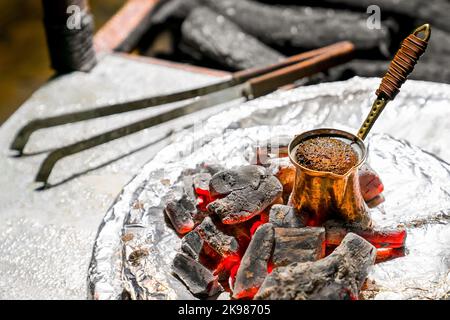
(291, 26)
(192, 244)
(298, 245)
(370, 183)
(386, 254)
(180, 211)
(385, 238)
(221, 243)
(227, 181)
(201, 183)
(243, 204)
(224, 42)
(253, 268)
(198, 279)
(338, 276)
(285, 217)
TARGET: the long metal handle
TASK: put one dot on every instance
(401, 66)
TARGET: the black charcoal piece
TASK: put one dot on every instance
(301, 27)
(435, 12)
(192, 244)
(298, 245)
(243, 204)
(198, 279)
(180, 210)
(224, 42)
(285, 217)
(336, 277)
(226, 181)
(425, 70)
(253, 268)
(220, 242)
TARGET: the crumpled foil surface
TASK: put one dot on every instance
(406, 148)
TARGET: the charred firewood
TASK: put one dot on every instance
(286, 26)
(180, 211)
(224, 42)
(285, 217)
(198, 279)
(425, 70)
(253, 268)
(298, 245)
(223, 244)
(435, 12)
(192, 245)
(177, 9)
(336, 277)
(243, 204)
(227, 181)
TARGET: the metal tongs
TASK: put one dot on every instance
(250, 84)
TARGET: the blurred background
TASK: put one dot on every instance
(24, 62)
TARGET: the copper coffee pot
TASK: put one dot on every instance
(321, 195)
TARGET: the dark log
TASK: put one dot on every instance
(434, 12)
(178, 9)
(298, 245)
(424, 70)
(243, 204)
(69, 35)
(336, 277)
(180, 210)
(224, 42)
(285, 217)
(286, 26)
(223, 244)
(198, 279)
(253, 268)
(192, 245)
(227, 181)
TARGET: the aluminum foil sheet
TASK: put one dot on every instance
(406, 148)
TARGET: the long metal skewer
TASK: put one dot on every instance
(401, 66)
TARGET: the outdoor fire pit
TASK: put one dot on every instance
(158, 242)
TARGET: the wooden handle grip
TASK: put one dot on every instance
(404, 61)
